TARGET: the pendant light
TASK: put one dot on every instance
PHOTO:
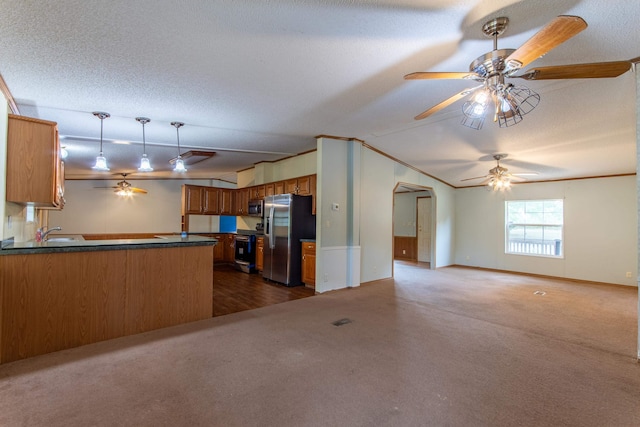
(145, 165)
(101, 161)
(179, 167)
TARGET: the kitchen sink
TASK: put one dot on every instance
(61, 239)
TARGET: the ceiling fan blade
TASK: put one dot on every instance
(138, 190)
(553, 34)
(477, 177)
(446, 103)
(442, 75)
(578, 71)
(524, 174)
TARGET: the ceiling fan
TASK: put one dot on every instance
(509, 102)
(124, 188)
(499, 177)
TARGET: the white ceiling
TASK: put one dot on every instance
(258, 80)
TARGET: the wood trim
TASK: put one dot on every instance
(340, 138)
(382, 153)
(279, 160)
(7, 94)
(558, 180)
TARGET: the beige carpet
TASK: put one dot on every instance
(452, 347)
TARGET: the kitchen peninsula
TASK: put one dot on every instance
(64, 294)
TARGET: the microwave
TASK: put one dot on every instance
(255, 207)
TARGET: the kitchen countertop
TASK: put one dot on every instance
(77, 245)
(308, 240)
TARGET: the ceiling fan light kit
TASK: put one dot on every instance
(509, 102)
(101, 161)
(505, 101)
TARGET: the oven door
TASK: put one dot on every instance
(245, 253)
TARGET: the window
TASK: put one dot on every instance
(534, 227)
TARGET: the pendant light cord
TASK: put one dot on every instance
(178, 136)
(101, 124)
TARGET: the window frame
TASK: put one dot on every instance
(542, 225)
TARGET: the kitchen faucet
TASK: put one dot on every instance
(41, 235)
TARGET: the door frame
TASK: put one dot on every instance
(408, 187)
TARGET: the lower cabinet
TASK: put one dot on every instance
(259, 253)
(309, 264)
(225, 250)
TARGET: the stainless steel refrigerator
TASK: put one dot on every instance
(287, 219)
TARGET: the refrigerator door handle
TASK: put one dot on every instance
(272, 240)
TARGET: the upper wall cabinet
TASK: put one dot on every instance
(200, 200)
(35, 171)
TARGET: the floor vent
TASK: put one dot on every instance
(341, 322)
(539, 293)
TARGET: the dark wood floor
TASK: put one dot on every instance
(235, 291)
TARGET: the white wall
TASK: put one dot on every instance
(99, 210)
(405, 213)
(600, 229)
(372, 213)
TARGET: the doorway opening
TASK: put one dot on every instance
(414, 224)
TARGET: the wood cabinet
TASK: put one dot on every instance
(210, 206)
(259, 253)
(291, 186)
(230, 248)
(257, 192)
(241, 202)
(269, 189)
(309, 264)
(200, 200)
(224, 251)
(192, 199)
(35, 171)
(225, 201)
(54, 301)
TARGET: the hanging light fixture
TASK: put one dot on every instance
(179, 166)
(145, 165)
(101, 161)
(500, 177)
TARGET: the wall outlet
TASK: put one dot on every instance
(628, 274)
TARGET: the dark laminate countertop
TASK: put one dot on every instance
(31, 247)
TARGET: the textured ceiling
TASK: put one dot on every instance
(257, 80)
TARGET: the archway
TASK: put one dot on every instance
(414, 224)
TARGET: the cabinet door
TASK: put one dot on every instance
(304, 185)
(192, 199)
(291, 186)
(269, 189)
(225, 201)
(218, 250)
(33, 171)
(210, 206)
(230, 248)
(278, 187)
(260, 253)
(242, 201)
(260, 192)
(309, 264)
